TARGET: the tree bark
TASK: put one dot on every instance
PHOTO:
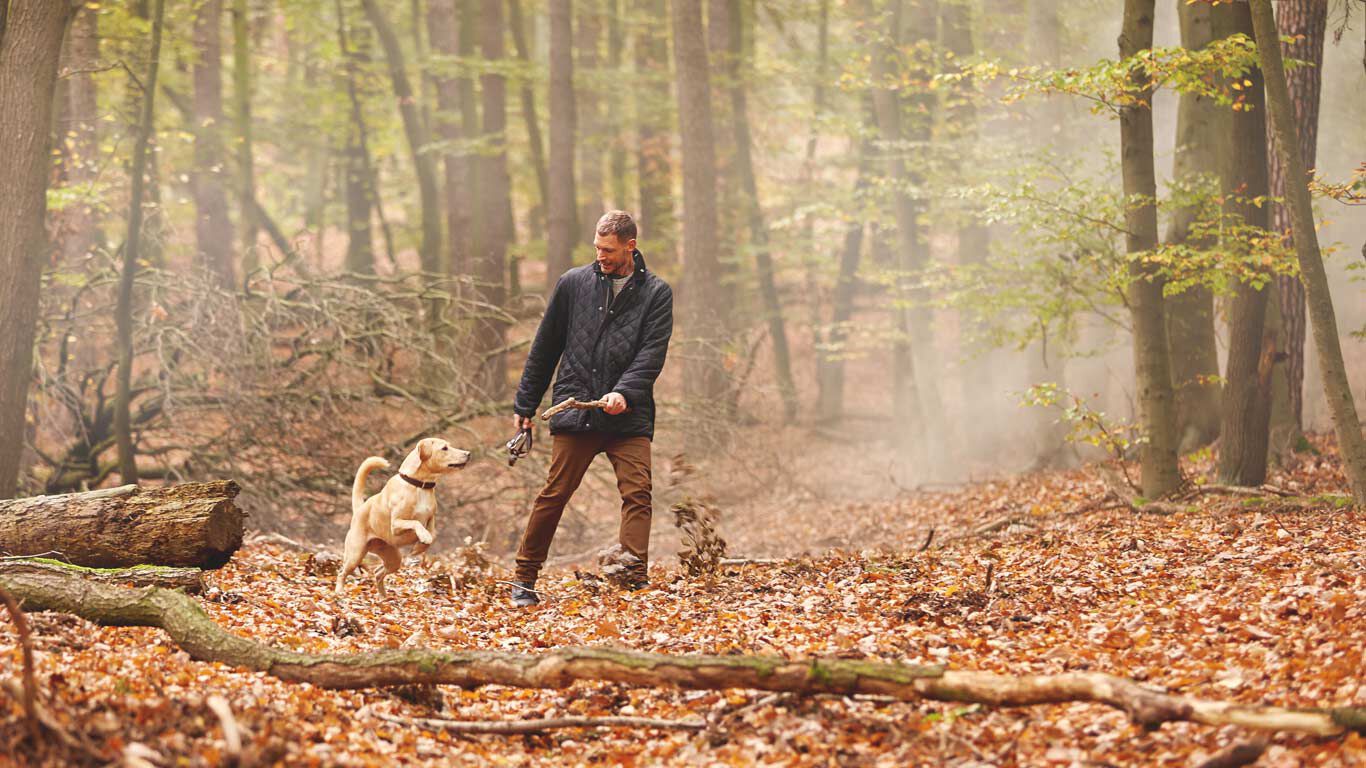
(77, 229)
(358, 178)
(705, 378)
(1152, 366)
(654, 167)
(443, 31)
(190, 580)
(213, 228)
(588, 105)
(1318, 298)
(496, 197)
(1305, 21)
(528, 96)
(830, 360)
(415, 130)
(198, 635)
(194, 525)
(560, 208)
(758, 229)
(241, 115)
(1246, 419)
(30, 45)
(123, 431)
(1201, 150)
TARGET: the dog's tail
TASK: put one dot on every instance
(358, 487)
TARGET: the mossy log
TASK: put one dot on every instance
(190, 580)
(193, 525)
(196, 633)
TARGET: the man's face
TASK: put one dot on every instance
(614, 254)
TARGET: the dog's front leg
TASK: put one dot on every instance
(423, 535)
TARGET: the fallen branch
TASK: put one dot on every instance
(29, 694)
(232, 734)
(189, 579)
(542, 724)
(196, 633)
(1235, 755)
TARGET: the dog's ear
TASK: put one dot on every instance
(424, 450)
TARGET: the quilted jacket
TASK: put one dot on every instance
(601, 345)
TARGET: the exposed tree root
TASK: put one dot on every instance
(191, 628)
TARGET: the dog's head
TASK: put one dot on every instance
(437, 456)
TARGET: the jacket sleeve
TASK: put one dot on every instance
(638, 380)
(545, 353)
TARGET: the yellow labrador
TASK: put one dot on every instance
(402, 514)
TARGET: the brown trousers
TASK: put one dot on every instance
(570, 455)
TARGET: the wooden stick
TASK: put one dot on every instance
(30, 692)
(232, 734)
(574, 404)
(198, 635)
(541, 724)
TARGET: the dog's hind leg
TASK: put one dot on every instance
(393, 560)
(353, 551)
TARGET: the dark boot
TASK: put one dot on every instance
(524, 595)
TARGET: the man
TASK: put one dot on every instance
(607, 327)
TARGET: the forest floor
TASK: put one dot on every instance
(1230, 599)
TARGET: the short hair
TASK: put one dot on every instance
(617, 223)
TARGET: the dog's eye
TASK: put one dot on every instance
(445, 447)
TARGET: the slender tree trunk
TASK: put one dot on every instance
(616, 147)
(1252, 349)
(213, 228)
(443, 30)
(1305, 22)
(705, 378)
(1201, 150)
(246, 171)
(654, 167)
(754, 214)
(588, 106)
(560, 203)
(30, 46)
(533, 123)
(123, 435)
(1318, 299)
(78, 134)
(830, 360)
(1152, 366)
(490, 266)
(356, 170)
(416, 132)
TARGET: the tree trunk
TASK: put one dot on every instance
(189, 627)
(1305, 21)
(241, 115)
(30, 45)
(758, 229)
(830, 359)
(123, 431)
(588, 105)
(358, 177)
(1318, 299)
(490, 268)
(78, 134)
(1246, 420)
(213, 228)
(443, 31)
(654, 167)
(616, 137)
(1152, 366)
(194, 525)
(415, 130)
(560, 209)
(1201, 150)
(533, 123)
(191, 580)
(705, 377)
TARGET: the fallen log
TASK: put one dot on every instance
(193, 525)
(191, 580)
(191, 628)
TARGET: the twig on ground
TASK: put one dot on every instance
(541, 724)
(232, 734)
(929, 537)
(1236, 755)
(30, 692)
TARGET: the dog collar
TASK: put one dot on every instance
(413, 481)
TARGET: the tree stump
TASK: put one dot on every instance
(194, 525)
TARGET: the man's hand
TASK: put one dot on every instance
(520, 423)
(615, 403)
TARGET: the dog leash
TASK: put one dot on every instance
(520, 445)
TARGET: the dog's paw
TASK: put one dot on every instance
(425, 537)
